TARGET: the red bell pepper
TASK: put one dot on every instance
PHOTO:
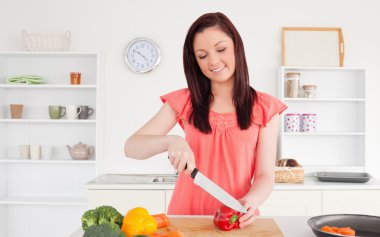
(226, 218)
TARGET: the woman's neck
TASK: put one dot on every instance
(223, 97)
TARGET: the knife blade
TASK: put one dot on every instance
(217, 192)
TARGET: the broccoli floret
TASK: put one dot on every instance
(109, 214)
(89, 218)
(103, 230)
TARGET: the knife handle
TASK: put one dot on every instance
(193, 173)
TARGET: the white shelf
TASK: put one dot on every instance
(55, 54)
(324, 68)
(52, 201)
(324, 99)
(46, 86)
(74, 121)
(19, 161)
(324, 134)
(340, 107)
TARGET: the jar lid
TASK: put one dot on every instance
(292, 74)
(309, 86)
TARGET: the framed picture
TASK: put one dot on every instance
(312, 47)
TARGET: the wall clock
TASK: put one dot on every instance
(142, 55)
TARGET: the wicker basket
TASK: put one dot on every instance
(289, 174)
(47, 42)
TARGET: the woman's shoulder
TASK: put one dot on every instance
(183, 93)
(179, 100)
(265, 107)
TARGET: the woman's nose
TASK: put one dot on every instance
(213, 59)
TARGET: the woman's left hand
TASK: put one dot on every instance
(247, 218)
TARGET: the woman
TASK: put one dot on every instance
(230, 128)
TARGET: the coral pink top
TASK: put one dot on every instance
(226, 156)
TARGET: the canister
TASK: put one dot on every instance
(308, 122)
(292, 122)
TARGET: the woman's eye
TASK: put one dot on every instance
(221, 50)
(202, 56)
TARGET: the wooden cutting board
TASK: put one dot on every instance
(204, 227)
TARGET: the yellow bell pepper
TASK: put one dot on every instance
(138, 222)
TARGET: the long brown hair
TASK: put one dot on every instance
(199, 85)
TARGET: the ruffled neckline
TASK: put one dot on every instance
(223, 120)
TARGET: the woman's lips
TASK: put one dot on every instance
(218, 69)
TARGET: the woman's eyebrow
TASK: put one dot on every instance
(220, 42)
(215, 45)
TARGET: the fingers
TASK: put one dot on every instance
(247, 219)
(247, 222)
(182, 161)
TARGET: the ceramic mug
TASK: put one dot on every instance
(24, 152)
(46, 152)
(85, 112)
(35, 152)
(72, 111)
(56, 111)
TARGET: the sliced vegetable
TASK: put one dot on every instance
(138, 222)
(226, 218)
(162, 220)
(336, 230)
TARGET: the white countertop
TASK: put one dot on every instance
(311, 183)
(290, 226)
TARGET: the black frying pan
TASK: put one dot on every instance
(364, 225)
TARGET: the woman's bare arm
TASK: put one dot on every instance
(151, 138)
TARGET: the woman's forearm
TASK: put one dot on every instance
(141, 146)
(260, 190)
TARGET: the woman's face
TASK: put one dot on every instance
(214, 51)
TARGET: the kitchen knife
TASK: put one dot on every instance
(216, 191)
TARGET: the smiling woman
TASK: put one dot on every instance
(230, 128)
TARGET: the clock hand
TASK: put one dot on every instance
(138, 52)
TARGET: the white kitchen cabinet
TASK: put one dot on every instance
(124, 200)
(340, 106)
(351, 201)
(39, 197)
(292, 203)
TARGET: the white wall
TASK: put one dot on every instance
(130, 99)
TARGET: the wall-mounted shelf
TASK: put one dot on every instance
(32, 190)
(340, 107)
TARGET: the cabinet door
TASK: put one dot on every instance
(124, 200)
(292, 203)
(168, 197)
(351, 201)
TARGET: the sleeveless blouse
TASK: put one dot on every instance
(226, 155)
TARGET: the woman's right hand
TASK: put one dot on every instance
(181, 155)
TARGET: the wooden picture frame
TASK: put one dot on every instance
(312, 47)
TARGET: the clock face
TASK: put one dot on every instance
(142, 55)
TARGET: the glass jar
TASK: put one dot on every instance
(309, 91)
(292, 84)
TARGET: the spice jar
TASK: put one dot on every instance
(309, 91)
(292, 84)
